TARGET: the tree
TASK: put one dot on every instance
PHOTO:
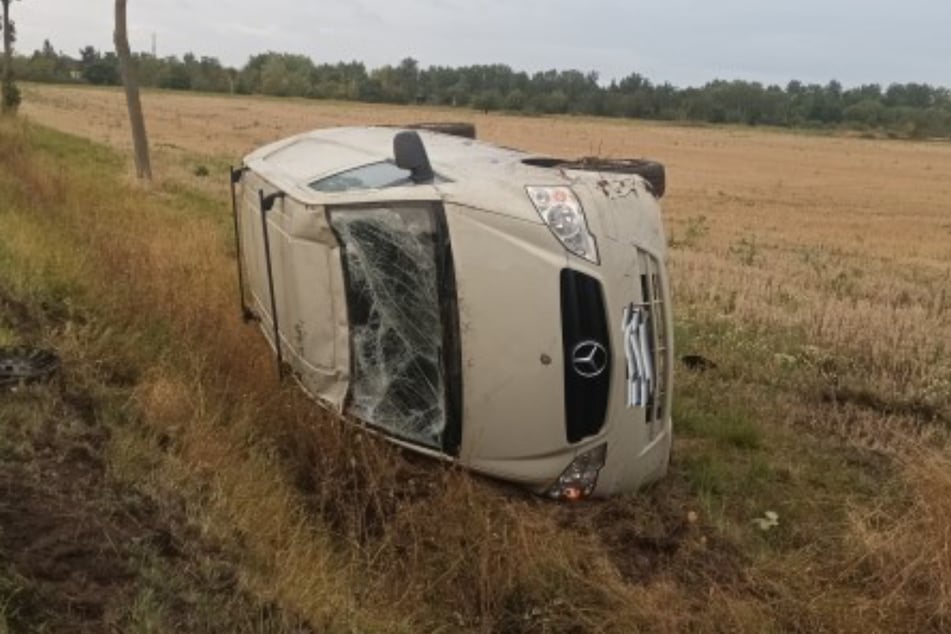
(10, 98)
(175, 75)
(407, 76)
(143, 167)
(487, 100)
(100, 69)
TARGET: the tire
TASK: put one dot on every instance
(651, 171)
(464, 130)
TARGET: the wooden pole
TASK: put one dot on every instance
(7, 104)
(140, 141)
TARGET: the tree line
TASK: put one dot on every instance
(908, 110)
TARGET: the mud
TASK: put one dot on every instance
(61, 529)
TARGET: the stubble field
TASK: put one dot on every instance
(814, 271)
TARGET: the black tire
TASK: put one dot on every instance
(652, 171)
(464, 130)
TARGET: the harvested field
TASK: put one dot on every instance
(814, 271)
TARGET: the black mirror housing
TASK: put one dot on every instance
(410, 154)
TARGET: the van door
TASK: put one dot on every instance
(307, 280)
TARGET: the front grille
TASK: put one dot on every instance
(657, 337)
(587, 353)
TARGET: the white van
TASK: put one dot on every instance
(506, 311)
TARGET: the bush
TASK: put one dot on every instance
(11, 95)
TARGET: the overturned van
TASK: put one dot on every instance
(506, 311)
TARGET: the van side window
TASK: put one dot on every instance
(373, 176)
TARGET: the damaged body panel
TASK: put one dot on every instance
(504, 311)
(307, 279)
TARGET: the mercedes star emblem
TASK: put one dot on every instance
(590, 359)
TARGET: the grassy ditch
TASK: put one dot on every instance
(264, 511)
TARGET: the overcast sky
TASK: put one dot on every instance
(686, 42)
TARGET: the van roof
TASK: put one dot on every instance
(312, 155)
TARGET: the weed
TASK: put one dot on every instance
(697, 228)
(729, 428)
(745, 251)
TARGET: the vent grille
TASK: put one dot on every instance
(648, 343)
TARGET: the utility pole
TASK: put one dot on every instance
(9, 93)
(143, 167)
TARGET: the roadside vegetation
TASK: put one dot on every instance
(811, 478)
(911, 110)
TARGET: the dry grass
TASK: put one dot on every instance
(907, 556)
(814, 270)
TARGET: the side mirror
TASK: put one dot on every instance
(410, 154)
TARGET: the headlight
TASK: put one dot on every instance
(581, 476)
(561, 211)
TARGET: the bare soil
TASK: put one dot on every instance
(64, 532)
(83, 552)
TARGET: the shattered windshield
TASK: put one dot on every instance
(373, 176)
(396, 328)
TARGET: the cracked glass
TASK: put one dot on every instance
(396, 329)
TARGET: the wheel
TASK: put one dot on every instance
(465, 130)
(651, 171)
